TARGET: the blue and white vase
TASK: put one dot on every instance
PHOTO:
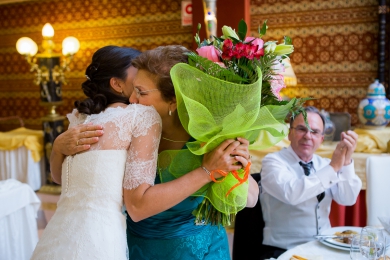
(374, 110)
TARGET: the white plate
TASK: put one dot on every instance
(335, 246)
(333, 243)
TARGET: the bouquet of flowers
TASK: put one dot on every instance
(230, 89)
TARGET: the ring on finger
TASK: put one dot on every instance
(77, 143)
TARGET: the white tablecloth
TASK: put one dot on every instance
(317, 250)
(18, 224)
(18, 164)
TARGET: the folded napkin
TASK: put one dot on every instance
(306, 257)
(302, 257)
(385, 221)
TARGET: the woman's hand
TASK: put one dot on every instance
(242, 151)
(225, 157)
(77, 139)
(74, 140)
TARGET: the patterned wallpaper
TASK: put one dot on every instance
(135, 23)
(335, 42)
(335, 56)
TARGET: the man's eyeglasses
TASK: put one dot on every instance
(139, 93)
(302, 130)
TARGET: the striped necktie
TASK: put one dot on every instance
(307, 168)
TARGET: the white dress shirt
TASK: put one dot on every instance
(291, 211)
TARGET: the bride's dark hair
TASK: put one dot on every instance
(107, 62)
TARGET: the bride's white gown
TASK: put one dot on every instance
(88, 222)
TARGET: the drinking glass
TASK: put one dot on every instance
(354, 251)
(378, 241)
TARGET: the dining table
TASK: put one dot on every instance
(327, 248)
(21, 156)
(19, 206)
(315, 250)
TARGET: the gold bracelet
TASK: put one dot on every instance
(207, 171)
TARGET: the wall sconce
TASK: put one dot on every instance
(49, 75)
(210, 17)
(49, 71)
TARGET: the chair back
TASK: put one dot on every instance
(248, 231)
(342, 122)
(377, 189)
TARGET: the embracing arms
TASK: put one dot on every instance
(147, 200)
(70, 142)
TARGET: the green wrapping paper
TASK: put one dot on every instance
(211, 111)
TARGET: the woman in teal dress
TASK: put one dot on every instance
(172, 234)
(160, 223)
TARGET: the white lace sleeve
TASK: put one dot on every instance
(142, 155)
(75, 118)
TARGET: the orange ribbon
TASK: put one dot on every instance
(235, 174)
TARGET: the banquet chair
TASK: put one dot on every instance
(342, 122)
(378, 183)
(248, 231)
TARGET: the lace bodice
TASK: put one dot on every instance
(134, 128)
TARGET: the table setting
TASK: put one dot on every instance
(345, 242)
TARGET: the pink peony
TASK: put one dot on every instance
(209, 52)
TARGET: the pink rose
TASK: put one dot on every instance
(209, 52)
(256, 41)
(259, 43)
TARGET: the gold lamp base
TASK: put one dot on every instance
(50, 189)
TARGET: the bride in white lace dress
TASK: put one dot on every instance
(88, 222)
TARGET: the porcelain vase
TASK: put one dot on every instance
(374, 110)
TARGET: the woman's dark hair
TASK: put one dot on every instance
(107, 62)
(158, 62)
